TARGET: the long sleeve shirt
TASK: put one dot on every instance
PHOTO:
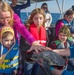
(19, 27)
(18, 8)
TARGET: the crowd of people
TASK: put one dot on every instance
(16, 51)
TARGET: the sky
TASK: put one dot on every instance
(52, 5)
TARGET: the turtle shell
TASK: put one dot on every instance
(52, 58)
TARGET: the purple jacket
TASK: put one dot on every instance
(19, 27)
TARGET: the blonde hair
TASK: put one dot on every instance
(5, 34)
(5, 7)
(65, 30)
(33, 13)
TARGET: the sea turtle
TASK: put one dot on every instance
(50, 57)
(46, 59)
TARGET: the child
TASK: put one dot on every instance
(9, 48)
(68, 17)
(35, 25)
(66, 52)
(61, 43)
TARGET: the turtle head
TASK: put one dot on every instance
(34, 56)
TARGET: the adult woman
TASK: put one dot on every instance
(48, 16)
(8, 17)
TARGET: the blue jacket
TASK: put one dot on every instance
(10, 62)
(18, 8)
(66, 72)
(65, 22)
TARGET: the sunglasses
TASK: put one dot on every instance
(44, 7)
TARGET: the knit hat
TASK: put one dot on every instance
(5, 29)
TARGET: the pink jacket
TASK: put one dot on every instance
(20, 28)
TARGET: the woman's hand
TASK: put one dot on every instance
(37, 48)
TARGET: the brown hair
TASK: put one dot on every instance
(69, 12)
(33, 13)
